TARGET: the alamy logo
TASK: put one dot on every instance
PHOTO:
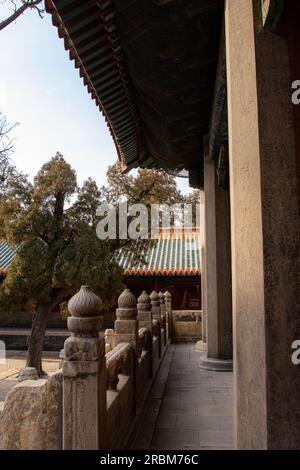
(138, 221)
(296, 353)
(296, 92)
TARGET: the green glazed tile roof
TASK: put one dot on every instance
(175, 254)
(6, 256)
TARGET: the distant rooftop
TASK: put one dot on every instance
(176, 253)
(6, 256)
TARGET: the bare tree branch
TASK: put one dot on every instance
(6, 146)
(19, 11)
(6, 142)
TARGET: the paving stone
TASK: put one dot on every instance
(172, 400)
(215, 410)
(182, 409)
(215, 439)
(215, 447)
(166, 421)
(205, 423)
(222, 400)
(196, 406)
(197, 399)
(175, 439)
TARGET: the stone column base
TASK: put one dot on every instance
(220, 365)
(200, 346)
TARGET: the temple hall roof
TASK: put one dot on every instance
(174, 254)
(151, 67)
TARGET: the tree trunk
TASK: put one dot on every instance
(36, 340)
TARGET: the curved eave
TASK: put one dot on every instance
(150, 67)
(90, 35)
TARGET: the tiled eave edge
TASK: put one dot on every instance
(161, 273)
(69, 46)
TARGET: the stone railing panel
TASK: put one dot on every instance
(110, 340)
(186, 325)
(118, 361)
(146, 354)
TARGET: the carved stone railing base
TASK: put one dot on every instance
(210, 363)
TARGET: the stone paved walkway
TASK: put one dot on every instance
(189, 408)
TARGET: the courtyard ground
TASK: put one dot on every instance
(15, 360)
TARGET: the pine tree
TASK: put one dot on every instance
(58, 247)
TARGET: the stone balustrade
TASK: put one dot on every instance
(144, 341)
(156, 315)
(118, 361)
(168, 306)
(144, 311)
(186, 325)
(146, 353)
(163, 316)
(110, 340)
(104, 381)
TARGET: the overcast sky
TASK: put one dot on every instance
(41, 89)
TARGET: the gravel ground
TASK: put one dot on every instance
(15, 360)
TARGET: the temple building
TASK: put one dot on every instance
(207, 86)
(171, 264)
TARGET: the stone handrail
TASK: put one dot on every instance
(186, 325)
(156, 326)
(196, 315)
(118, 361)
(110, 340)
(145, 338)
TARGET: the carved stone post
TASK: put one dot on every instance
(163, 315)
(84, 372)
(155, 305)
(126, 329)
(155, 308)
(168, 305)
(110, 340)
(145, 320)
(144, 311)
